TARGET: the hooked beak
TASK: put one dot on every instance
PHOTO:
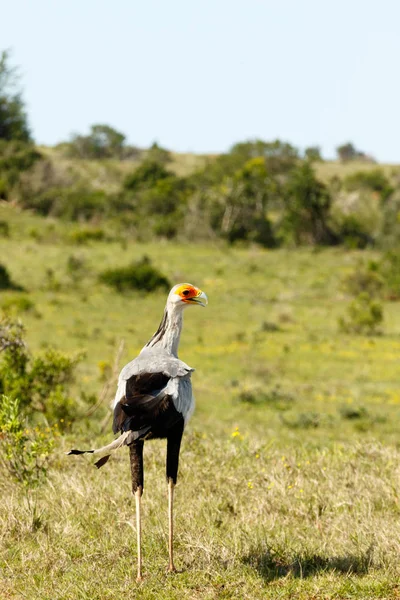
(201, 299)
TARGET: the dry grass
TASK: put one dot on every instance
(251, 523)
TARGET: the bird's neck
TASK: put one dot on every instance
(168, 333)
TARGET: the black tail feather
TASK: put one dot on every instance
(80, 452)
(102, 461)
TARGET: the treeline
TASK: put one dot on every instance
(260, 192)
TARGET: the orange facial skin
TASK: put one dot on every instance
(187, 292)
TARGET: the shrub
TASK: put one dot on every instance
(146, 176)
(83, 235)
(353, 233)
(374, 180)
(4, 226)
(307, 420)
(364, 315)
(18, 304)
(140, 275)
(390, 269)
(273, 397)
(313, 154)
(13, 119)
(76, 267)
(15, 158)
(365, 278)
(307, 208)
(25, 453)
(102, 142)
(6, 282)
(39, 382)
(26, 450)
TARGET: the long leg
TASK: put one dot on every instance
(136, 459)
(173, 447)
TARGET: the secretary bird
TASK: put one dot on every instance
(154, 399)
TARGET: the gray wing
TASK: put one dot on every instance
(155, 361)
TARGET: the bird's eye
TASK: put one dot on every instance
(185, 292)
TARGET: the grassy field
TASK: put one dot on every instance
(289, 478)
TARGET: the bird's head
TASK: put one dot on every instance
(186, 294)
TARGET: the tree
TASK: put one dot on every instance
(348, 152)
(279, 156)
(313, 153)
(146, 176)
(102, 142)
(238, 206)
(158, 154)
(307, 204)
(13, 119)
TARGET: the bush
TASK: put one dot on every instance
(273, 397)
(13, 120)
(4, 227)
(18, 304)
(390, 269)
(365, 278)
(76, 204)
(140, 275)
(15, 158)
(374, 180)
(364, 316)
(146, 176)
(83, 235)
(307, 208)
(25, 451)
(6, 282)
(353, 233)
(76, 268)
(102, 142)
(39, 382)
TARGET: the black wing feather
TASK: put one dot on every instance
(146, 408)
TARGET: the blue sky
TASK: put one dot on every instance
(201, 75)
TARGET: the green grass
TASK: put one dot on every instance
(289, 479)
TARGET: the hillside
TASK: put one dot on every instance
(110, 172)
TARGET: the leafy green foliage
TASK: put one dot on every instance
(238, 207)
(146, 176)
(102, 142)
(353, 233)
(157, 154)
(84, 235)
(366, 278)
(16, 157)
(307, 203)
(4, 229)
(73, 204)
(374, 180)
(280, 157)
(18, 304)
(38, 382)
(157, 198)
(25, 451)
(140, 275)
(389, 268)
(347, 152)
(13, 120)
(6, 282)
(364, 315)
(313, 154)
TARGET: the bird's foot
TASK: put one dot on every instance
(172, 569)
(139, 578)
